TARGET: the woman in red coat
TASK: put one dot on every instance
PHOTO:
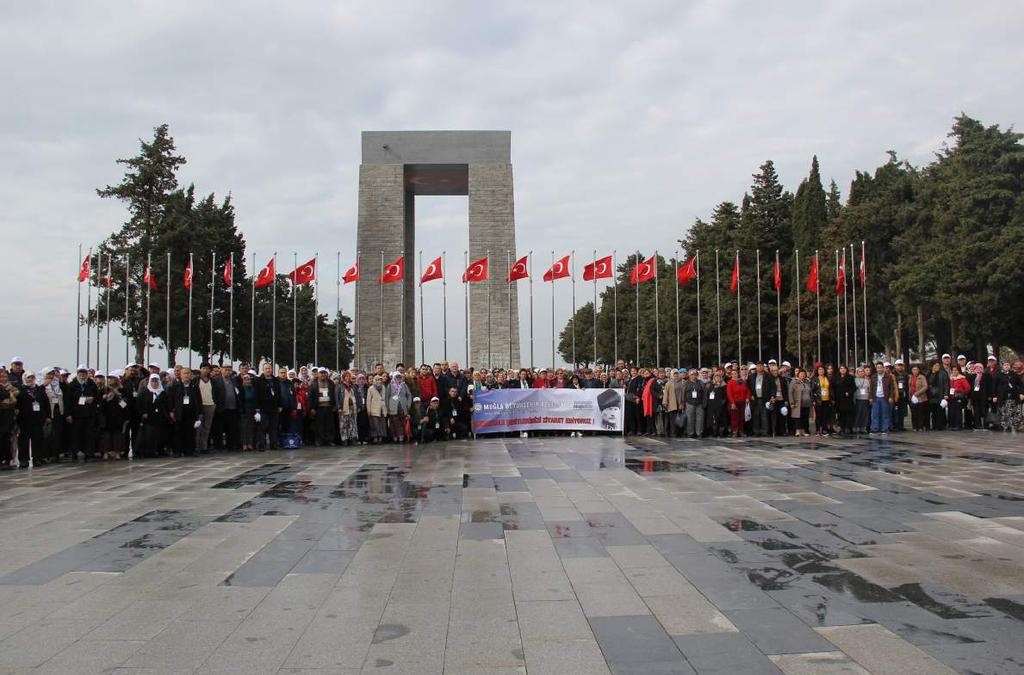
(737, 393)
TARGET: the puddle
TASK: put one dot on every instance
(966, 609)
(1007, 607)
(857, 587)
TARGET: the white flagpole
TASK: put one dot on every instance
(465, 301)
(107, 280)
(572, 278)
(529, 272)
(231, 311)
(864, 295)
(778, 305)
(316, 307)
(657, 317)
(853, 290)
(423, 349)
(839, 344)
(213, 288)
(337, 315)
(149, 286)
(444, 301)
(595, 308)
(817, 301)
(273, 318)
(78, 322)
(676, 271)
(615, 310)
(488, 287)
(739, 328)
(252, 318)
(99, 274)
(552, 268)
(88, 314)
(697, 265)
(167, 311)
(799, 339)
(401, 305)
(508, 272)
(380, 282)
(637, 289)
(295, 310)
(757, 276)
(191, 281)
(127, 297)
(355, 312)
(718, 307)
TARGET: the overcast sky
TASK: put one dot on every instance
(629, 120)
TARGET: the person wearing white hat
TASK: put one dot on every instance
(33, 411)
(83, 405)
(152, 406)
(902, 378)
(17, 370)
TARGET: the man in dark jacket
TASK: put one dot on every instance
(779, 398)
(33, 411)
(268, 399)
(881, 398)
(183, 406)
(433, 425)
(453, 413)
(322, 403)
(761, 391)
(82, 413)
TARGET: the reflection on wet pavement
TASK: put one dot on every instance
(638, 555)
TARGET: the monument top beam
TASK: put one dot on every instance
(437, 147)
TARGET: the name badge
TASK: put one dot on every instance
(394, 398)
(298, 406)
(437, 425)
(952, 391)
(185, 400)
(693, 394)
(977, 387)
(900, 385)
(711, 396)
(122, 404)
(81, 400)
(455, 413)
(324, 395)
(35, 406)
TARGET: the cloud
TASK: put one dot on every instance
(628, 120)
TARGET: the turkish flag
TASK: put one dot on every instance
(351, 274)
(777, 274)
(433, 271)
(863, 270)
(559, 270)
(812, 277)
(477, 271)
(518, 271)
(642, 272)
(734, 283)
(188, 274)
(227, 273)
(599, 269)
(148, 278)
(108, 280)
(84, 273)
(266, 275)
(841, 276)
(688, 272)
(304, 273)
(394, 272)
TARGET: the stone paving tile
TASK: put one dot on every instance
(597, 554)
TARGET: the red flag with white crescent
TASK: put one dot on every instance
(519, 270)
(812, 277)
(599, 269)
(351, 274)
(559, 270)
(734, 283)
(642, 272)
(303, 274)
(477, 271)
(688, 272)
(841, 276)
(433, 271)
(149, 278)
(394, 272)
(777, 274)
(228, 273)
(266, 275)
(86, 269)
(107, 280)
(188, 274)
(863, 270)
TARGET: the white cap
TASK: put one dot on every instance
(81, 367)
(787, 364)
(961, 357)
(416, 399)
(117, 373)
(154, 376)
(99, 373)
(946, 356)
(771, 361)
(16, 359)
(899, 362)
(751, 366)
(887, 364)
(434, 398)
(992, 357)
(154, 365)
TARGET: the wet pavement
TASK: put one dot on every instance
(902, 554)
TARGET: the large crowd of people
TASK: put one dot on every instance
(54, 414)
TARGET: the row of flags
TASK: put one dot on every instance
(478, 270)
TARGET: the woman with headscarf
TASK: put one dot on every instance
(846, 389)
(1008, 390)
(152, 404)
(362, 417)
(376, 409)
(54, 389)
(8, 409)
(347, 418)
(248, 406)
(33, 411)
(113, 443)
(398, 401)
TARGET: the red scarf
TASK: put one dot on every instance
(648, 399)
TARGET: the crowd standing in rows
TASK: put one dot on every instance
(55, 415)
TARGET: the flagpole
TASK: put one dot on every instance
(615, 309)
(508, 269)
(78, 323)
(423, 351)
(552, 309)
(676, 267)
(99, 273)
(697, 264)
(167, 311)
(191, 274)
(636, 286)
(529, 274)
(273, 318)
(595, 308)
(380, 282)
(337, 316)
(252, 318)
(739, 329)
(718, 307)
(488, 287)
(799, 318)
(108, 282)
(757, 276)
(839, 344)
(465, 302)
(853, 290)
(213, 287)
(316, 307)
(572, 278)
(401, 305)
(127, 297)
(88, 313)
(231, 310)
(149, 287)
(444, 301)
(295, 310)
(778, 304)
(657, 317)
(864, 295)
(355, 311)
(817, 301)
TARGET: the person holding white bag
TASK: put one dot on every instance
(918, 384)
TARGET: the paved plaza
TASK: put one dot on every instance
(900, 554)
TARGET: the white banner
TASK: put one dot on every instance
(502, 410)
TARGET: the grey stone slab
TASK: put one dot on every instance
(636, 644)
(724, 653)
(775, 630)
